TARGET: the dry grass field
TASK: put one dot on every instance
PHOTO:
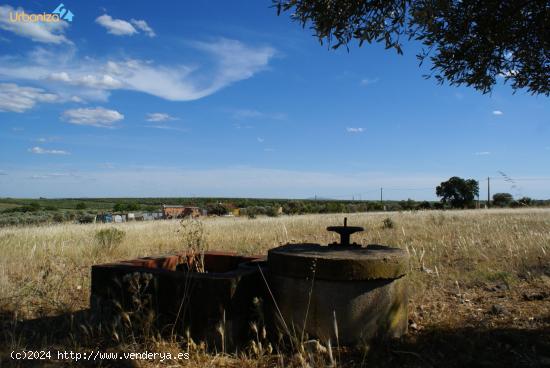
(480, 286)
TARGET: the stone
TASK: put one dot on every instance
(357, 293)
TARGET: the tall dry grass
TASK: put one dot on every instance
(45, 270)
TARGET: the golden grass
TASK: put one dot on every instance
(45, 270)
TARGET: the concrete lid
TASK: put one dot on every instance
(338, 262)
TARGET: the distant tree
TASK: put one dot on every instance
(133, 206)
(409, 204)
(502, 199)
(458, 192)
(375, 206)
(469, 42)
(81, 206)
(525, 201)
(216, 209)
(424, 205)
(119, 207)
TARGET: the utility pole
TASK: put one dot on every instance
(381, 198)
(488, 192)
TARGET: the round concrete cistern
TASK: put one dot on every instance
(356, 292)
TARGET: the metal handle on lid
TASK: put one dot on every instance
(345, 232)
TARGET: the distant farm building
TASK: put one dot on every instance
(171, 211)
(118, 217)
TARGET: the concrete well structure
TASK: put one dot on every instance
(223, 296)
(358, 292)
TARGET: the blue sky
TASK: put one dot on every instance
(217, 98)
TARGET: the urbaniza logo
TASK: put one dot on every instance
(60, 13)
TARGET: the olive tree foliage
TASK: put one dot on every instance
(469, 42)
(502, 199)
(458, 192)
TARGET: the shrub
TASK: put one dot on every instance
(272, 211)
(81, 206)
(387, 223)
(58, 217)
(86, 218)
(110, 238)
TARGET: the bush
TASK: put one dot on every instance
(58, 217)
(272, 211)
(86, 218)
(387, 223)
(109, 239)
(81, 206)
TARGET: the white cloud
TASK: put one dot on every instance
(76, 99)
(261, 140)
(142, 25)
(482, 153)
(102, 81)
(159, 116)
(45, 32)
(43, 151)
(355, 130)
(243, 114)
(98, 117)
(368, 82)
(54, 176)
(120, 27)
(229, 61)
(497, 112)
(166, 127)
(116, 27)
(15, 98)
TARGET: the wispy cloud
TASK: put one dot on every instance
(43, 151)
(143, 26)
(106, 165)
(45, 32)
(159, 116)
(98, 117)
(244, 114)
(166, 127)
(497, 112)
(482, 153)
(53, 176)
(368, 81)
(117, 27)
(46, 139)
(229, 181)
(355, 130)
(2, 173)
(228, 61)
(15, 98)
(259, 139)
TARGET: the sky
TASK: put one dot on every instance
(227, 99)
